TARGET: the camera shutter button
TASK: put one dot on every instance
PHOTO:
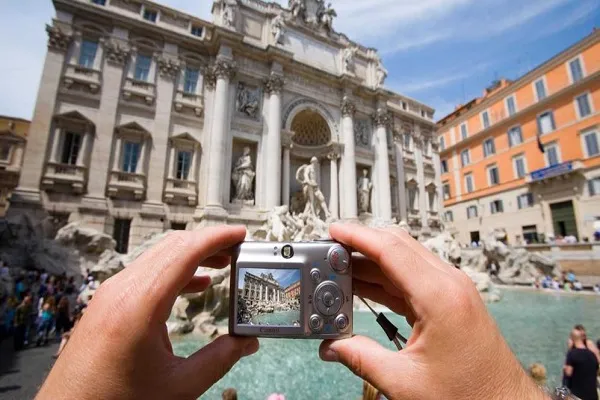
(338, 258)
(315, 275)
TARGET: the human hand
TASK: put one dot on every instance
(121, 349)
(455, 349)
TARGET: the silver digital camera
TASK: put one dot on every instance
(291, 290)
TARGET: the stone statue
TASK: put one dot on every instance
(364, 192)
(242, 177)
(247, 100)
(348, 57)
(326, 16)
(381, 73)
(278, 28)
(297, 7)
(228, 15)
(315, 201)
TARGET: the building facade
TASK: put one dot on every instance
(293, 291)
(262, 288)
(13, 138)
(149, 119)
(524, 159)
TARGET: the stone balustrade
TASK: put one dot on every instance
(176, 189)
(89, 77)
(184, 100)
(141, 89)
(69, 174)
(125, 184)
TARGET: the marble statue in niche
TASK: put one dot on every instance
(228, 15)
(247, 101)
(315, 200)
(361, 133)
(278, 28)
(364, 187)
(349, 61)
(242, 177)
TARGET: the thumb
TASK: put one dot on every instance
(206, 366)
(368, 359)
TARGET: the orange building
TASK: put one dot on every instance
(495, 176)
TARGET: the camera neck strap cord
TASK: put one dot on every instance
(390, 329)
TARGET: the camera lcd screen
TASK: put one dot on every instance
(268, 297)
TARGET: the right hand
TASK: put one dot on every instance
(455, 349)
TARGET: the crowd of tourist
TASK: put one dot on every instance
(40, 307)
(567, 282)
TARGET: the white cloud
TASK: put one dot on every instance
(431, 83)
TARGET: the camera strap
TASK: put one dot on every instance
(388, 327)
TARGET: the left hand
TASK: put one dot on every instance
(121, 349)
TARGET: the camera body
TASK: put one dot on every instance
(299, 290)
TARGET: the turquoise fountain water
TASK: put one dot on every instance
(535, 324)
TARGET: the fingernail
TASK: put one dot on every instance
(329, 355)
(250, 348)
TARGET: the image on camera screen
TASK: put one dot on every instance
(268, 297)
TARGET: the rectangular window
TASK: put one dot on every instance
(465, 157)
(525, 200)
(489, 147)
(87, 53)
(583, 105)
(511, 107)
(413, 199)
(471, 212)
(121, 234)
(591, 144)
(546, 122)
(407, 141)
(178, 226)
(444, 166)
(463, 131)
(99, 2)
(493, 175)
(70, 149)
(552, 157)
(469, 185)
(431, 197)
(131, 154)
(594, 186)
(190, 80)
(150, 15)
(196, 30)
(515, 136)
(519, 165)
(184, 160)
(142, 67)
(530, 234)
(576, 70)
(4, 151)
(496, 207)
(485, 119)
(540, 89)
(448, 216)
(446, 190)
(442, 143)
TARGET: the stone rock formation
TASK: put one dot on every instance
(92, 250)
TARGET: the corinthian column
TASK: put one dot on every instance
(273, 87)
(382, 120)
(334, 196)
(223, 70)
(349, 209)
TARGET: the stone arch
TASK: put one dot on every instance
(310, 129)
(299, 105)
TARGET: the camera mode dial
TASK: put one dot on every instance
(338, 258)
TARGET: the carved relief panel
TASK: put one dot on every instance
(362, 133)
(248, 100)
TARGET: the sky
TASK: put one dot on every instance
(440, 52)
(285, 277)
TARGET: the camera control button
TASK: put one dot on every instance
(341, 322)
(328, 298)
(338, 258)
(316, 323)
(315, 275)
